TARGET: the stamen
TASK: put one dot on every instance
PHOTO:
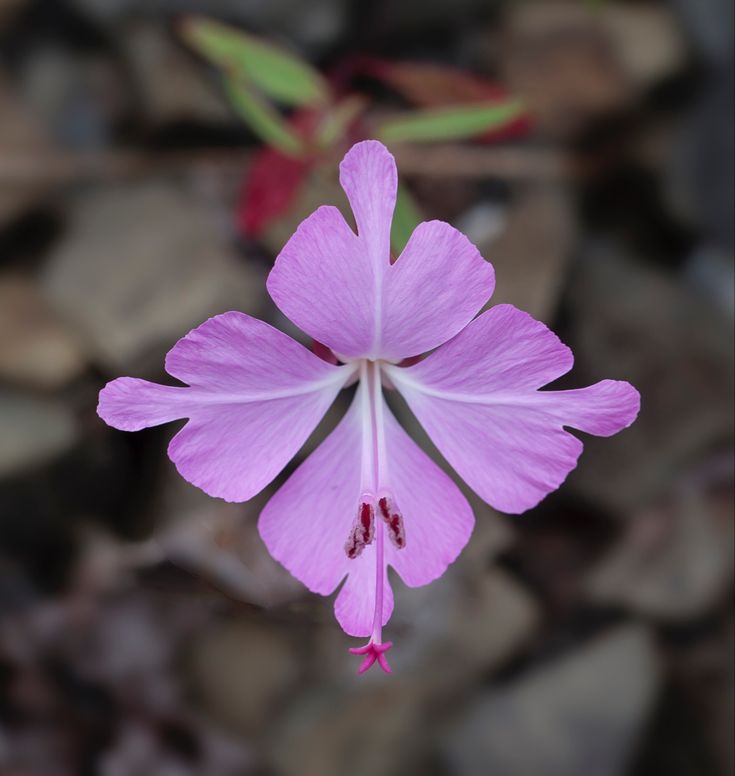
(394, 521)
(362, 532)
(366, 528)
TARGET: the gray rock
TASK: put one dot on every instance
(561, 60)
(699, 175)
(20, 135)
(141, 265)
(366, 728)
(675, 559)
(575, 64)
(709, 23)
(172, 85)
(313, 26)
(578, 716)
(533, 249)
(33, 431)
(241, 671)
(634, 323)
(36, 349)
(220, 543)
(79, 98)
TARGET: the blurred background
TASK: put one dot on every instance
(152, 164)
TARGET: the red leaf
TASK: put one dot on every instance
(273, 181)
(269, 189)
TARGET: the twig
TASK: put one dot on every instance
(456, 161)
(49, 169)
(435, 161)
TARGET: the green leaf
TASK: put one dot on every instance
(406, 217)
(265, 121)
(452, 123)
(279, 74)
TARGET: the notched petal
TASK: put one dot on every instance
(254, 397)
(478, 399)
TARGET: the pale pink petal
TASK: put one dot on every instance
(354, 607)
(327, 279)
(435, 288)
(255, 395)
(601, 409)
(477, 398)
(131, 404)
(324, 281)
(342, 290)
(369, 177)
(438, 519)
(306, 523)
(233, 451)
(504, 350)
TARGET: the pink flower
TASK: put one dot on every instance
(368, 497)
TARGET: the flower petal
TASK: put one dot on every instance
(326, 278)
(131, 404)
(438, 519)
(323, 281)
(255, 395)
(369, 177)
(354, 607)
(435, 288)
(477, 398)
(342, 290)
(306, 523)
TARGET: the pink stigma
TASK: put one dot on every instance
(373, 652)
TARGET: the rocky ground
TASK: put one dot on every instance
(143, 627)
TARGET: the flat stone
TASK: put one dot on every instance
(220, 542)
(578, 716)
(20, 135)
(574, 64)
(36, 349)
(648, 41)
(33, 431)
(675, 559)
(469, 623)
(286, 21)
(173, 86)
(142, 264)
(362, 729)
(241, 671)
(626, 48)
(532, 251)
(9, 8)
(631, 322)
(559, 58)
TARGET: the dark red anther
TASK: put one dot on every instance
(362, 532)
(367, 522)
(394, 520)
